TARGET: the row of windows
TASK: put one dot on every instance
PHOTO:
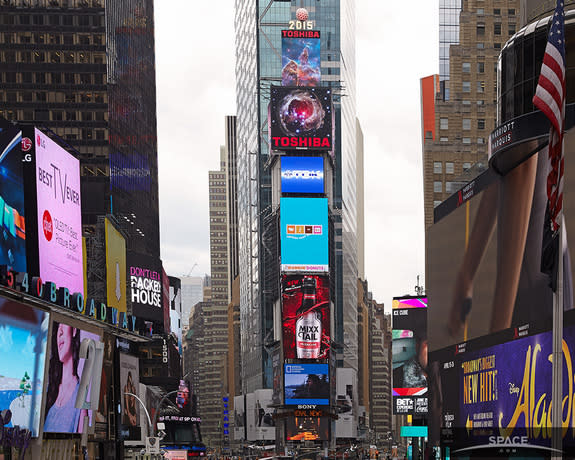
(496, 11)
(67, 78)
(480, 29)
(465, 123)
(466, 86)
(53, 97)
(449, 167)
(42, 38)
(54, 57)
(450, 187)
(464, 140)
(60, 115)
(53, 20)
(55, 3)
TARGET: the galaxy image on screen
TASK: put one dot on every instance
(301, 118)
(301, 61)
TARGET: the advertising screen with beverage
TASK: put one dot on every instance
(13, 243)
(145, 281)
(301, 58)
(306, 384)
(409, 354)
(305, 316)
(488, 387)
(302, 174)
(300, 118)
(115, 267)
(64, 376)
(23, 335)
(304, 235)
(59, 214)
(476, 287)
(307, 428)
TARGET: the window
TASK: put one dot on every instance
(466, 67)
(480, 29)
(466, 124)
(449, 167)
(26, 77)
(466, 102)
(68, 20)
(56, 78)
(481, 123)
(480, 102)
(497, 11)
(480, 11)
(443, 123)
(480, 140)
(70, 116)
(466, 140)
(69, 57)
(450, 187)
(466, 86)
(480, 67)
(68, 39)
(466, 166)
(511, 11)
(437, 167)
(436, 203)
(480, 46)
(84, 39)
(437, 186)
(41, 97)
(443, 139)
(497, 46)
(511, 29)
(56, 57)
(480, 86)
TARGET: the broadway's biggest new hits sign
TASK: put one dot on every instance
(485, 396)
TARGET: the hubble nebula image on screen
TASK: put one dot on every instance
(301, 58)
(300, 118)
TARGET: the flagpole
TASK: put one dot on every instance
(557, 391)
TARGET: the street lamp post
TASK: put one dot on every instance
(145, 410)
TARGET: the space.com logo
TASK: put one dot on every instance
(298, 230)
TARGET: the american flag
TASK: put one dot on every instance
(550, 99)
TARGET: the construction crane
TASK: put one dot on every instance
(192, 269)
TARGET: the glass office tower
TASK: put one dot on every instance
(258, 65)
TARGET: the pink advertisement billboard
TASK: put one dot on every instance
(59, 214)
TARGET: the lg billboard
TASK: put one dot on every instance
(59, 214)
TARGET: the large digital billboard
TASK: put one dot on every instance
(301, 118)
(64, 378)
(484, 392)
(302, 174)
(145, 281)
(12, 221)
(306, 384)
(483, 270)
(115, 267)
(409, 355)
(307, 428)
(305, 316)
(304, 235)
(23, 337)
(129, 383)
(59, 214)
(301, 58)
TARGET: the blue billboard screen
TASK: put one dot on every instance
(304, 235)
(302, 175)
(306, 384)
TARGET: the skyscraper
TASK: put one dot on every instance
(259, 65)
(84, 69)
(462, 106)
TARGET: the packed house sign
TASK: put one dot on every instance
(145, 281)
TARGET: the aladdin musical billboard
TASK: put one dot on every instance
(12, 222)
(301, 58)
(409, 354)
(304, 235)
(59, 213)
(23, 337)
(302, 174)
(300, 118)
(484, 393)
(305, 316)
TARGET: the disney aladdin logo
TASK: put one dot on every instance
(534, 410)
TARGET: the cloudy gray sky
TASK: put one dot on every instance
(395, 46)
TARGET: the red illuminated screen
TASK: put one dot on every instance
(307, 428)
(305, 316)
